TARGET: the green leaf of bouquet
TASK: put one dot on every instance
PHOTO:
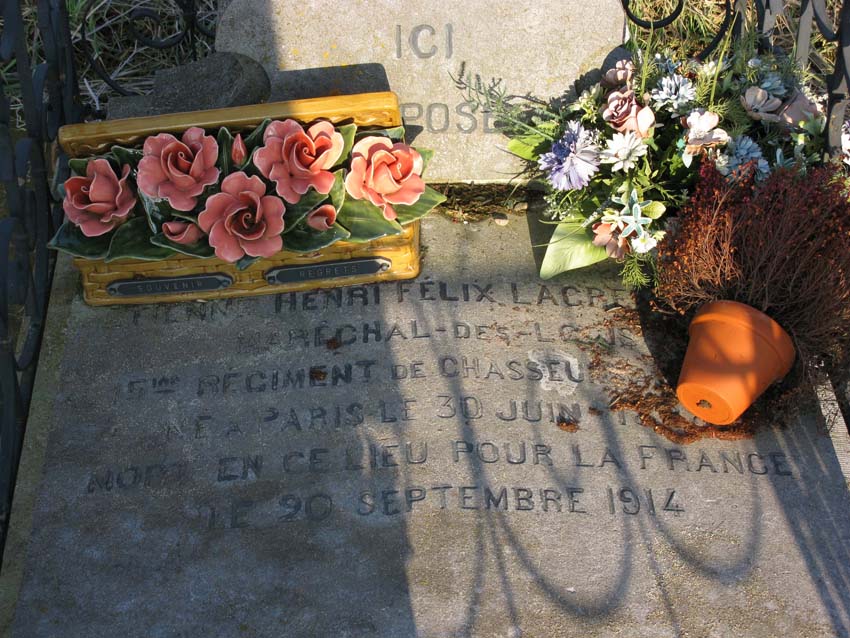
(527, 147)
(132, 240)
(78, 165)
(430, 199)
(201, 249)
(654, 210)
(159, 211)
(571, 247)
(304, 239)
(70, 239)
(225, 148)
(348, 132)
(549, 127)
(338, 190)
(296, 212)
(255, 138)
(245, 262)
(427, 154)
(365, 221)
(131, 156)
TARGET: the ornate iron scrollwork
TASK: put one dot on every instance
(192, 26)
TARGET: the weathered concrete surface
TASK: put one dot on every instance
(315, 48)
(217, 81)
(178, 481)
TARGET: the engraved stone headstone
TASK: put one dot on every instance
(439, 457)
(318, 47)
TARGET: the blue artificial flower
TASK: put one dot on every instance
(573, 159)
(740, 151)
(774, 84)
(675, 92)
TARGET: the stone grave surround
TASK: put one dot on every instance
(413, 47)
(431, 458)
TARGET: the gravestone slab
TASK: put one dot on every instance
(412, 47)
(436, 458)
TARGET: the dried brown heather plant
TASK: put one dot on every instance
(781, 246)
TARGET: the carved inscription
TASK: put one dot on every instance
(342, 425)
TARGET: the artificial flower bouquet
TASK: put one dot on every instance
(627, 149)
(285, 186)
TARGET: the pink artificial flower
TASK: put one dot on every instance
(296, 159)
(799, 110)
(608, 237)
(620, 75)
(239, 152)
(242, 220)
(625, 114)
(385, 173)
(178, 170)
(100, 201)
(185, 233)
(322, 218)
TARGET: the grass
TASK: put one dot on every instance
(106, 26)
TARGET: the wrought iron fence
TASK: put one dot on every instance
(30, 161)
(812, 13)
(48, 91)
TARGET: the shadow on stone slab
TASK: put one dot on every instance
(216, 81)
(327, 81)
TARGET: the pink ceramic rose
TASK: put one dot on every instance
(100, 201)
(295, 159)
(242, 220)
(385, 173)
(620, 75)
(178, 170)
(322, 217)
(185, 233)
(625, 114)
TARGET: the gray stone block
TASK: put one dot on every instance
(216, 81)
(317, 47)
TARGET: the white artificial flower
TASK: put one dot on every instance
(623, 151)
(643, 243)
(845, 142)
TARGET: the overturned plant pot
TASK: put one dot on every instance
(734, 354)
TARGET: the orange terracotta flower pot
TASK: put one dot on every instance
(735, 352)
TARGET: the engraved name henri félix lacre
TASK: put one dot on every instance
(391, 295)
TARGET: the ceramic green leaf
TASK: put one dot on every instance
(133, 240)
(365, 221)
(70, 239)
(304, 239)
(429, 199)
(296, 212)
(201, 249)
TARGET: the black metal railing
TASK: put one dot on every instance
(47, 90)
(812, 13)
(143, 23)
